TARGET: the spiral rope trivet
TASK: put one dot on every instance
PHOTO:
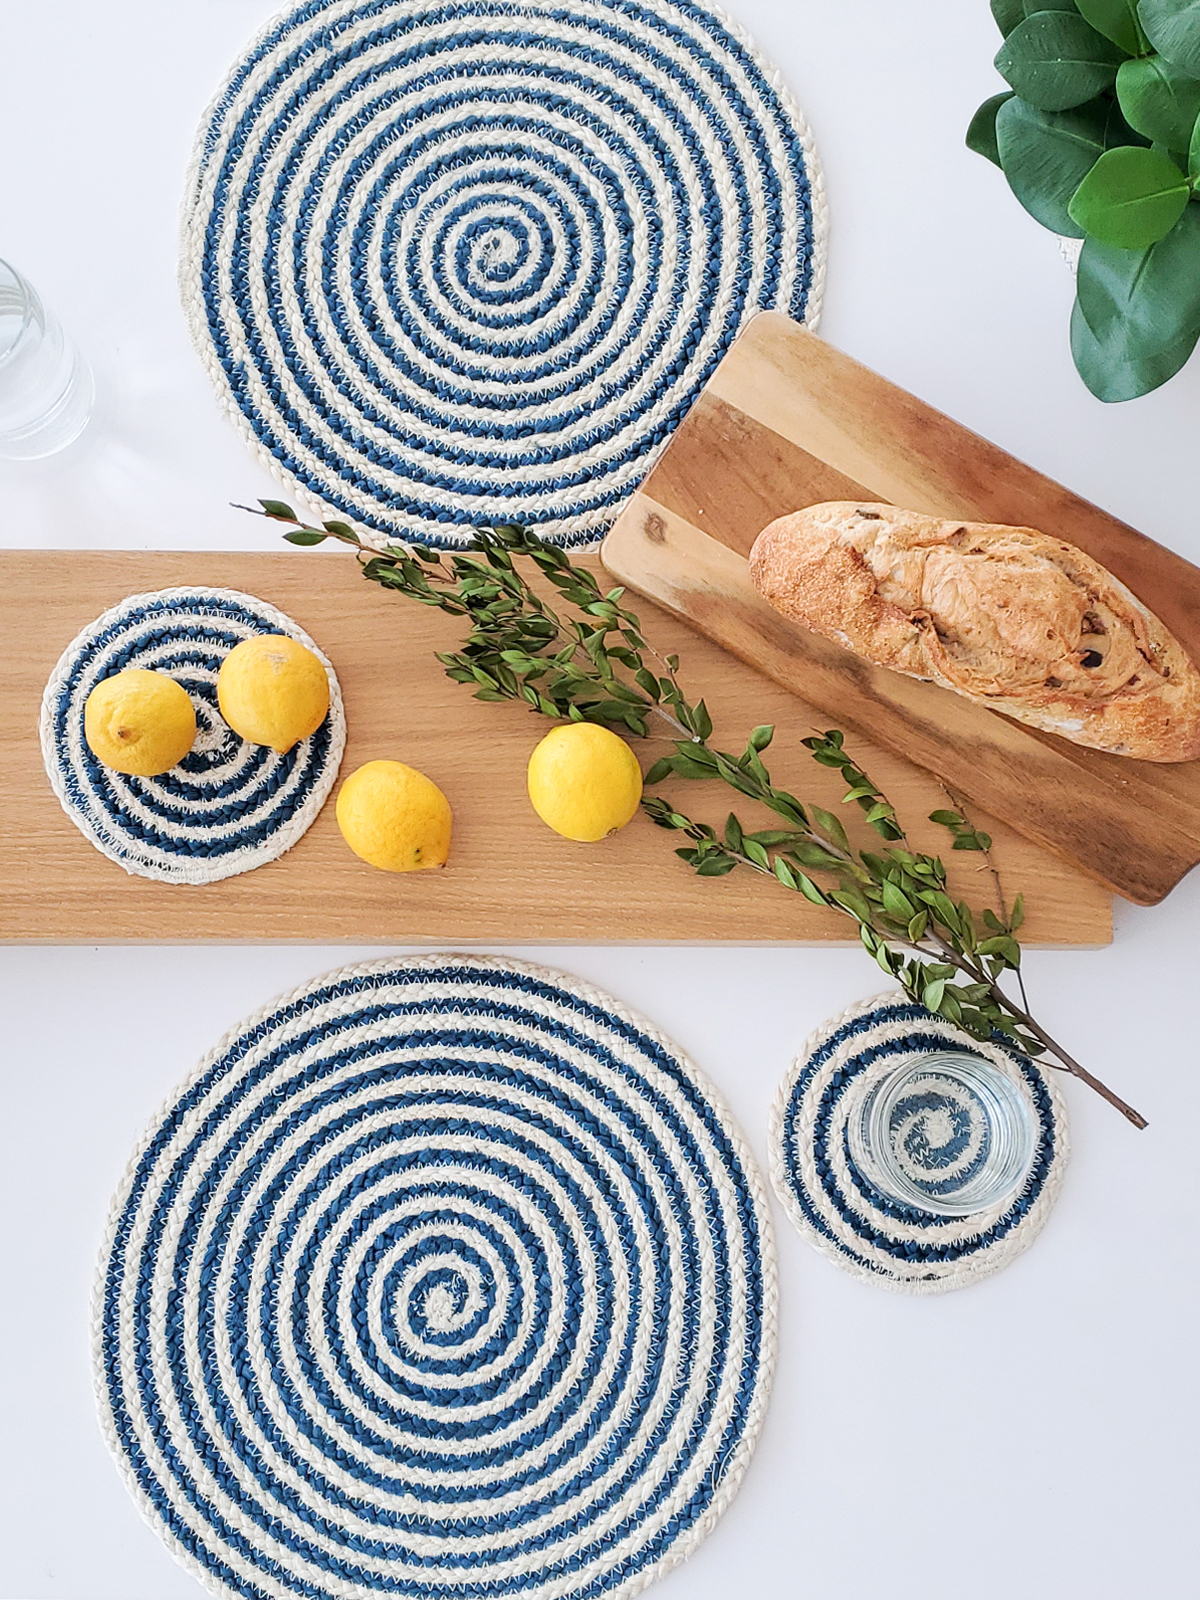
(439, 1277)
(899, 1246)
(452, 265)
(228, 806)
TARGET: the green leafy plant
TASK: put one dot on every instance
(1099, 138)
(595, 665)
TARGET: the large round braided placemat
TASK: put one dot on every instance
(451, 265)
(899, 1246)
(439, 1277)
(229, 806)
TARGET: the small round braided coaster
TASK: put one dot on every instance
(439, 1277)
(899, 1246)
(228, 806)
(452, 265)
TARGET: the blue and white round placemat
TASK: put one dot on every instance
(228, 806)
(899, 1246)
(439, 1277)
(454, 265)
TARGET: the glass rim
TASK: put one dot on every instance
(29, 300)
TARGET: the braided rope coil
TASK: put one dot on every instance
(444, 1276)
(228, 806)
(914, 1252)
(450, 265)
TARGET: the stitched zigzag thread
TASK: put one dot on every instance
(448, 1276)
(450, 265)
(228, 806)
(913, 1251)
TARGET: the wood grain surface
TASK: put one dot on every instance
(788, 421)
(509, 878)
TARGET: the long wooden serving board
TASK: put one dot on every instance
(787, 421)
(509, 878)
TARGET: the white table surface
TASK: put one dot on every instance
(1032, 1437)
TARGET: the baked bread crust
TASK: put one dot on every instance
(1008, 617)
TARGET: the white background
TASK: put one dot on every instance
(1031, 1437)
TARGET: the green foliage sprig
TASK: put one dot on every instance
(1099, 138)
(596, 666)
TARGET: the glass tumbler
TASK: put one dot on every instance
(45, 384)
(947, 1132)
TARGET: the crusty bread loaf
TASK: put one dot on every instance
(1009, 617)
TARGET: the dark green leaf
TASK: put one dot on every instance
(279, 510)
(702, 721)
(1131, 198)
(1008, 13)
(733, 832)
(810, 854)
(1145, 300)
(1173, 28)
(1047, 154)
(1116, 20)
(1018, 913)
(660, 770)
(1159, 100)
(1055, 60)
(1194, 153)
(346, 531)
(981, 133)
(948, 819)
(716, 866)
(305, 536)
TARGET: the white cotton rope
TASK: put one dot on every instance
(458, 265)
(229, 806)
(900, 1247)
(437, 1277)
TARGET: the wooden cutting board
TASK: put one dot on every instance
(509, 878)
(787, 421)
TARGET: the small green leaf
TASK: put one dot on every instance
(931, 994)
(897, 904)
(1194, 153)
(981, 132)
(784, 873)
(1159, 101)
(1018, 913)
(830, 826)
(305, 536)
(346, 531)
(716, 866)
(1173, 28)
(1116, 20)
(916, 928)
(948, 819)
(810, 891)
(1047, 154)
(734, 837)
(1055, 60)
(761, 737)
(756, 853)
(1131, 198)
(660, 770)
(279, 510)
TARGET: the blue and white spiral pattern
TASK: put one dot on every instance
(900, 1246)
(452, 265)
(228, 806)
(443, 1277)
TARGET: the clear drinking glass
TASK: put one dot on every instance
(45, 384)
(947, 1132)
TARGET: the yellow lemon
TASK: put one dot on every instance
(272, 690)
(139, 722)
(394, 817)
(584, 782)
